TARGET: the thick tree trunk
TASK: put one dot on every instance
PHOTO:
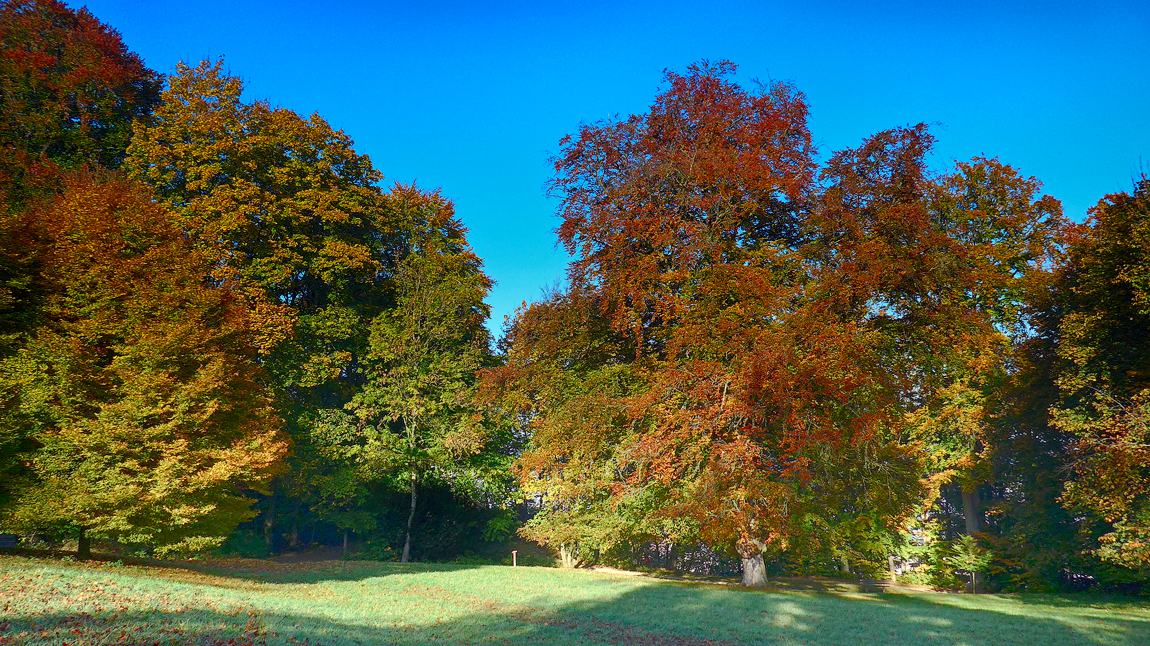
(970, 511)
(569, 556)
(84, 546)
(410, 521)
(846, 569)
(754, 571)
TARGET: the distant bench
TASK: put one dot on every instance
(9, 540)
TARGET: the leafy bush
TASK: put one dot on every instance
(245, 543)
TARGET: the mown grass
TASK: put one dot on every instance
(47, 601)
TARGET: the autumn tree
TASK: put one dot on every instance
(942, 268)
(689, 227)
(1103, 328)
(70, 93)
(797, 345)
(140, 389)
(562, 385)
(424, 353)
(293, 216)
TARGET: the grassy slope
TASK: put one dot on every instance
(50, 602)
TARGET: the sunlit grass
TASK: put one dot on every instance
(50, 602)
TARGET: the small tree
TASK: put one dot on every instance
(423, 357)
(968, 556)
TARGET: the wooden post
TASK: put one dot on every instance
(514, 560)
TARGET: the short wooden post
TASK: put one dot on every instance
(514, 560)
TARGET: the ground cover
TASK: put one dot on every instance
(49, 601)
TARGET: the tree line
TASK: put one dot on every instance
(215, 316)
(220, 332)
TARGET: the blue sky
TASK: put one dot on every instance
(473, 97)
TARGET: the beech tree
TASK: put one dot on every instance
(688, 226)
(294, 217)
(69, 92)
(1103, 327)
(140, 388)
(806, 354)
(941, 268)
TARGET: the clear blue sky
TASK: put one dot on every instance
(473, 97)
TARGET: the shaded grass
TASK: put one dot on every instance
(43, 601)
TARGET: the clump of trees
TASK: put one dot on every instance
(215, 317)
(217, 330)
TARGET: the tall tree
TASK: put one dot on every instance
(424, 356)
(141, 388)
(293, 215)
(688, 226)
(69, 92)
(779, 329)
(1103, 326)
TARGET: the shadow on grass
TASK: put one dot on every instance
(528, 606)
(260, 571)
(254, 570)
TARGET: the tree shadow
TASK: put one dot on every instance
(270, 570)
(267, 571)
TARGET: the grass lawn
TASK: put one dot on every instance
(44, 601)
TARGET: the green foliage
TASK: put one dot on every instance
(416, 405)
(245, 543)
(288, 209)
(966, 554)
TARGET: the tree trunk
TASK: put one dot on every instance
(293, 541)
(890, 561)
(84, 545)
(568, 556)
(846, 569)
(970, 511)
(345, 543)
(754, 570)
(270, 521)
(973, 516)
(410, 521)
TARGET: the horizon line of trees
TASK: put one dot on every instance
(217, 331)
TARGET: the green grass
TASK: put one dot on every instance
(45, 601)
